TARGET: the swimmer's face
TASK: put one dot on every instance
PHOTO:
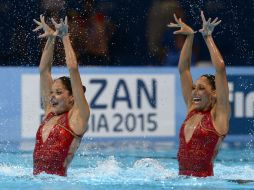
(60, 98)
(203, 96)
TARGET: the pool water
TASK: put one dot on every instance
(127, 165)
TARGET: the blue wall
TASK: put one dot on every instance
(241, 94)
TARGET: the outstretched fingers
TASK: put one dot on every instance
(41, 24)
(217, 23)
(61, 28)
(215, 20)
(176, 19)
(173, 25)
(203, 17)
(177, 24)
(38, 27)
(208, 25)
(42, 19)
(42, 35)
(37, 22)
(54, 22)
(209, 20)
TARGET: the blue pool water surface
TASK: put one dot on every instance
(127, 165)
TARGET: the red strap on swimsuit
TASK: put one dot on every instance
(49, 156)
(196, 157)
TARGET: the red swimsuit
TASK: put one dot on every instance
(196, 156)
(49, 156)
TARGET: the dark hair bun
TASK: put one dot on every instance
(67, 83)
(211, 79)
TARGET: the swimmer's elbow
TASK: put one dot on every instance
(220, 66)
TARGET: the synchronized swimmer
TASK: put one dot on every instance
(65, 106)
(207, 102)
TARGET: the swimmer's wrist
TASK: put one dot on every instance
(207, 35)
(51, 39)
(65, 36)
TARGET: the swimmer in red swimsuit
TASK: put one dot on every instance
(65, 105)
(207, 102)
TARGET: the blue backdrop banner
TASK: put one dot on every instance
(126, 103)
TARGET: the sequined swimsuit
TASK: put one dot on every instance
(49, 156)
(196, 156)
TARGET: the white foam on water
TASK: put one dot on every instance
(153, 169)
(15, 171)
(243, 172)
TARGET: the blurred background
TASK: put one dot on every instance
(126, 33)
(128, 60)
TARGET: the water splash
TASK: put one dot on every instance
(14, 170)
(248, 152)
(152, 169)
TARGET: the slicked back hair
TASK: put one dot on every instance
(211, 79)
(67, 83)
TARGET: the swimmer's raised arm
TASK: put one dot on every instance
(222, 92)
(81, 111)
(185, 58)
(46, 80)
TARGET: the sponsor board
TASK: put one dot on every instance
(241, 96)
(136, 105)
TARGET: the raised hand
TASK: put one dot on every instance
(184, 28)
(48, 32)
(61, 28)
(208, 26)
